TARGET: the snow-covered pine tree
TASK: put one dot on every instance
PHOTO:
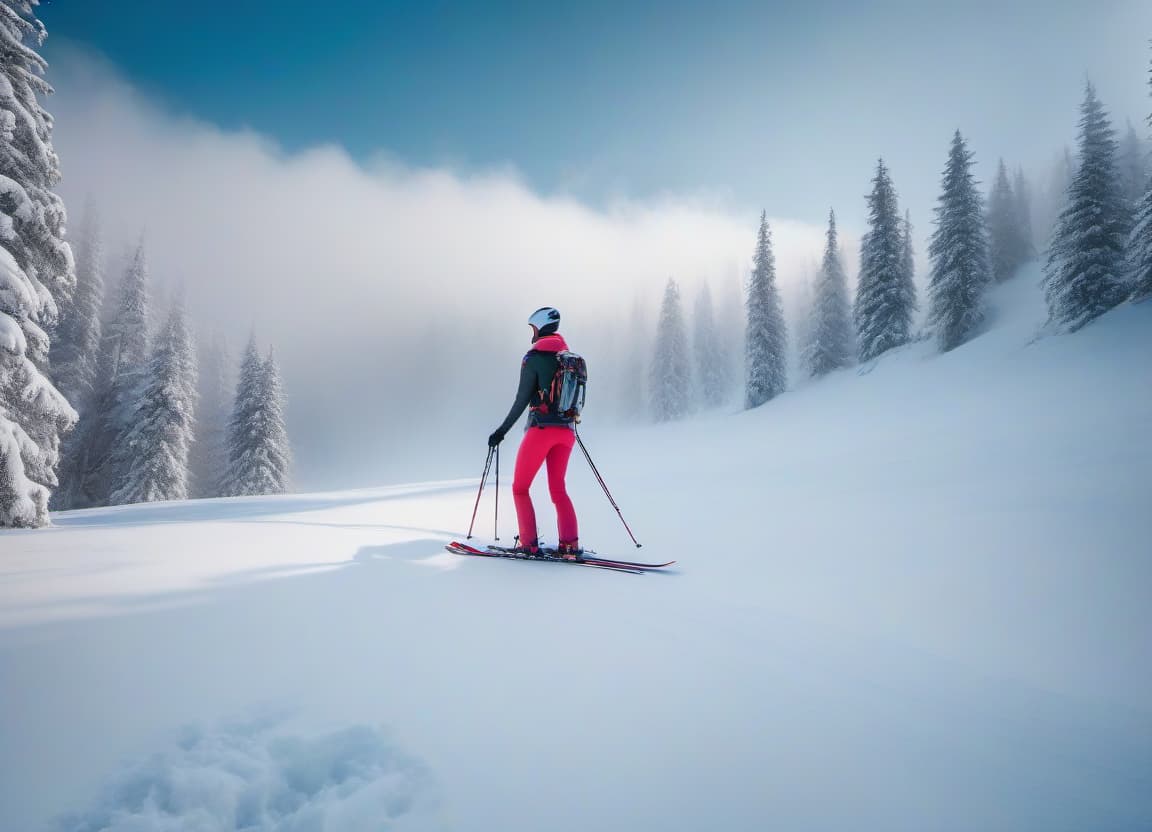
(158, 435)
(34, 234)
(632, 385)
(731, 319)
(36, 273)
(724, 358)
(958, 250)
(885, 295)
(766, 340)
(1132, 167)
(244, 406)
(1139, 262)
(76, 357)
(279, 448)
(711, 363)
(125, 347)
(33, 413)
(670, 377)
(209, 456)
(830, 341)
(1001, 226)
(1139, 248)
(804, 314)
(1008, 249)
(908, 267)
(76, 347)
(98, 462)
(1055, 197)
(1022, 194)
(259, 454)
(1084, 273)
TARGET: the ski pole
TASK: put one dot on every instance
(496, 522)
(483, 479)
(607, 493)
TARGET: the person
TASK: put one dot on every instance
(547, 439)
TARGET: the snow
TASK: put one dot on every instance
(27, 497)
(240, 775)
(15, 288)
(12, 191)
(910, 596)
(11, 336)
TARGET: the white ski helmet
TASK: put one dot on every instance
(545, 317)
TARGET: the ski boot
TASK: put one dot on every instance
(569, 551)
(525, 550)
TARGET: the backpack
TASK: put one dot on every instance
(564, 399)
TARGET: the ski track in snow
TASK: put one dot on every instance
(935, 615)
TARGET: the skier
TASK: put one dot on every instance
(547, 437)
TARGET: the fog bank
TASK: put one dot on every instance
(396, 298)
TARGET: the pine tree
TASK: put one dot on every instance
(209, 454)
(711, 363)
(36, 273)
(803, 332)
(158, 434)
(1056, 196)
(75, 357)
(803, 313)
(1083, 276)
(671, 372)
(731, 319)
(244, 406)
(633, 386)
(1139, 250)
(29, 167)
(908, 267)
(885, 295)
(959, 252)
(1009, 247)
(125, 348)
(830, 344)
(96, 461)
(1139, 262)
(259, 455)
(33, 414)
(1023, 199)
(766, 339)
(1132, 167)
(279, 452)
(712, 350)
(76, 347)
(1001, 226)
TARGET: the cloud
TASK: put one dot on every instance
(379, 285)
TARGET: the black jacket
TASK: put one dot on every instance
(536, 374)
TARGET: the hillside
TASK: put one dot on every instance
(914, 595)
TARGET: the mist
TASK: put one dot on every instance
(396, 298)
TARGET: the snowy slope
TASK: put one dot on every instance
(916, 595)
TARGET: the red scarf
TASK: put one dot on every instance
(550, 343)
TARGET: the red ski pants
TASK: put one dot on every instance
(553, 445)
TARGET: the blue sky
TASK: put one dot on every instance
(780, 105)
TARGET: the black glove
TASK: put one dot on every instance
(496, 438)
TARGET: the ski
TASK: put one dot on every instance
(549, 553)
(590, 555)
(470, 550)
(588, 559)
(501, 552)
